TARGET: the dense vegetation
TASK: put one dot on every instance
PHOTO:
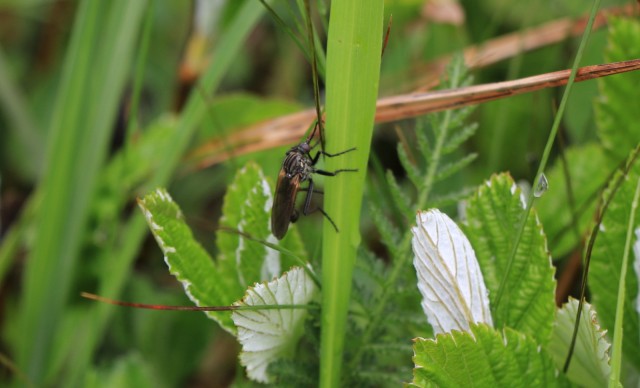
(128, 121)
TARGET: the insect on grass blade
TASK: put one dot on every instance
(298, 165)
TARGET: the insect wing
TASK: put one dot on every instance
(284, 203)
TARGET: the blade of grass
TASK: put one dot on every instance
(548, 146)
(135, 229)
(616, 348)
(20, 119)
(353, 69)
(80, 127)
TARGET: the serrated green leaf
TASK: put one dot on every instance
(268, 335)
(528, 301)
(617, 108)
(241, 262)
(588, 170)
(590, 363)
(247, 208)
(606, 262)
(483, 358)
(453, 291)
(205, 284)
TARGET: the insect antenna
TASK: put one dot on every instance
(314, 75)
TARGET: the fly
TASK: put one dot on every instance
(299, 166)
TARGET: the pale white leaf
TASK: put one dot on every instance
(449, 278)
(268, 335)
(590, 362)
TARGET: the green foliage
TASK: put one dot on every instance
(103, 43)
(590, 365)
(79, 233)
(606, 264)
(567, 211)
(238, 110)
(483, 357)
(187, 260)
(617, 108)
(241, 262)
(493, 214)
(388, 302)
(130, 371)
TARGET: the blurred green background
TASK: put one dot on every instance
(97, 107)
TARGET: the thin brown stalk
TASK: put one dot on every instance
(290, 128)
(510, 45)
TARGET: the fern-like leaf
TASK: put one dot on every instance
(389, 233)
(400, 199)
(449, 169)
(413, 171)
(459, 137)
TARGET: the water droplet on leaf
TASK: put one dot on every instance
(541, 187)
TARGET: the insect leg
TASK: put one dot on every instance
(314, 160)
(314, 191)
(337, 154)
(307, 205)
(334, 173)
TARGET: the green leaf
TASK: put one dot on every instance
(398, 194)
(187, 260)
(354, 46)
(528, 303)
(247, 208)
(128, 170)
(241, 262)
(588, 170)
(446, 170)
(238, 110)
(617, 108)
(590, 364)
(483, 358)
(606, 262)
(130, 371)
(268, 335)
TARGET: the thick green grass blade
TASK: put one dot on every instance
(92, 82)
(353, 67)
